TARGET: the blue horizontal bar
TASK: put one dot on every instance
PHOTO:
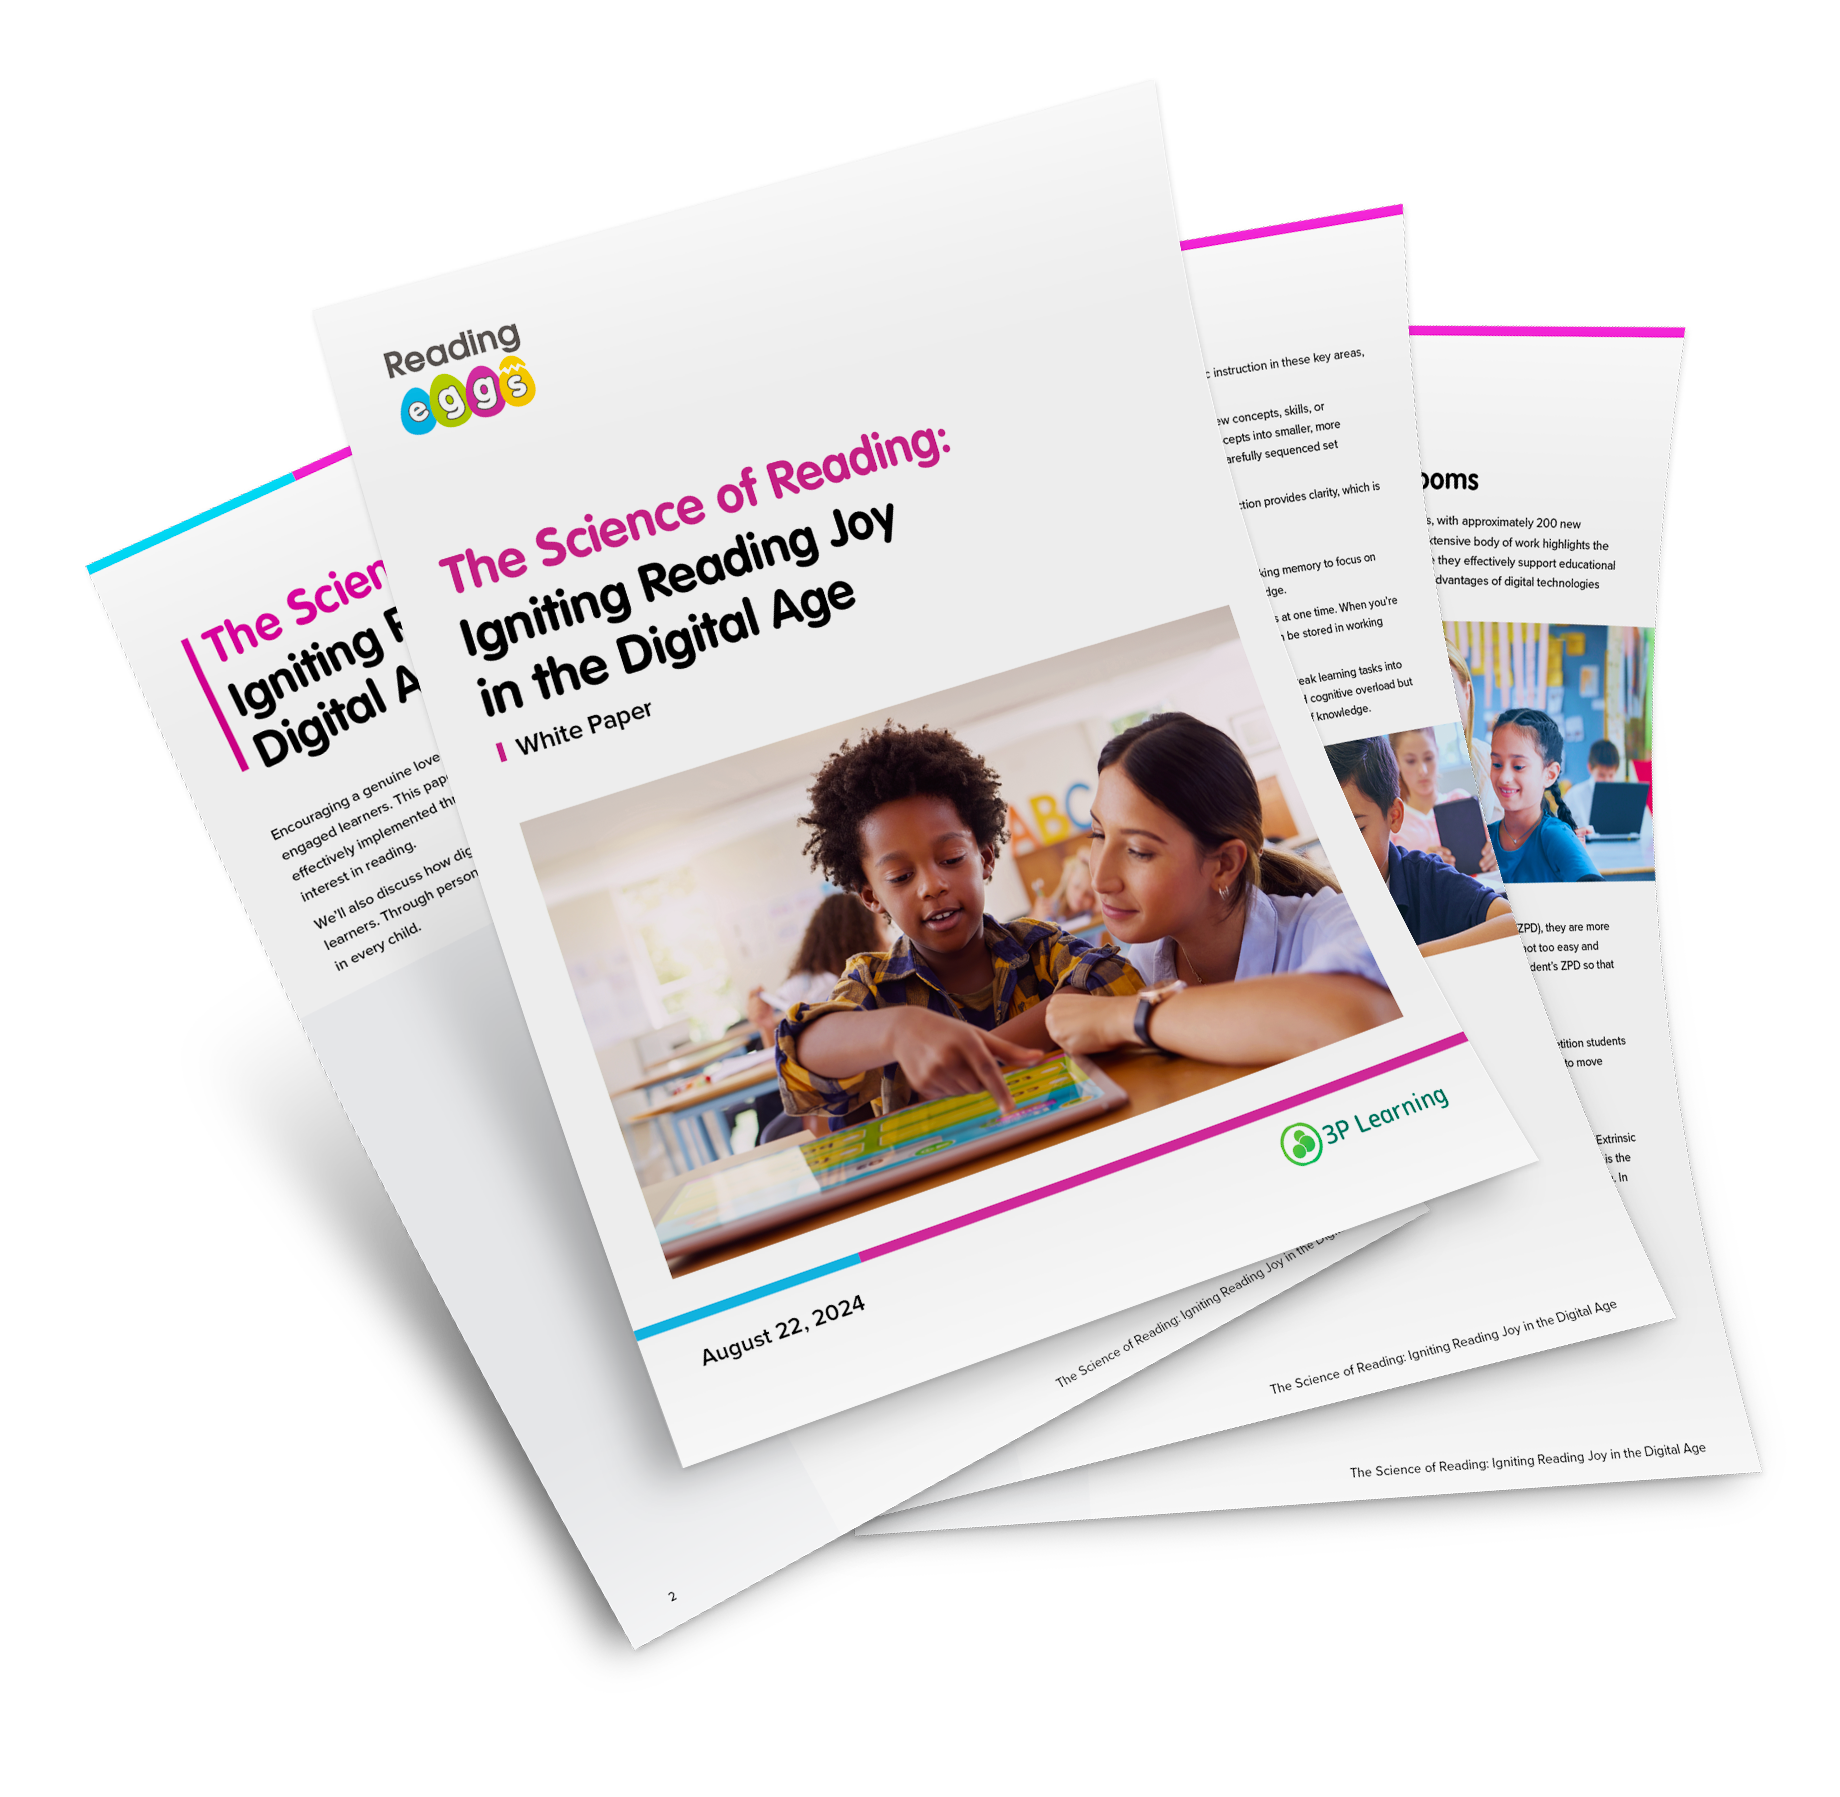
(176, 530)
(759, 1291)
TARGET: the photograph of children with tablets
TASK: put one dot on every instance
(1562, 715)
(1210, 936)
(1438, 799)
(1443, 906)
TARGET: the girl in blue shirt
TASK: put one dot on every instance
(1536, 841)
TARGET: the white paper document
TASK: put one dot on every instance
(1517, 1248)
(424, 1044)
(770, 548)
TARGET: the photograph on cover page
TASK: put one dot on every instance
(852, 966)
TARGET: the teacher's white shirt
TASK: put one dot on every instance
(1317, 934)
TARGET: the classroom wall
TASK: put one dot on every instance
(1048, 773)
(1594, 680)
(760, 891)
(601, 971)
(607, 989)
(1576, 654)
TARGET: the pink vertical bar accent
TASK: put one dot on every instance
(217, 711)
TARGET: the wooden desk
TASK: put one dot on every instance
(663, 1072)
(689, 1114)
(1150, 1080)
(737, 1032)
(717, 1088)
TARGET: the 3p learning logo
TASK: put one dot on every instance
(1300, 1144)
(449, 400)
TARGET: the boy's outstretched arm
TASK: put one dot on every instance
(942, 1057)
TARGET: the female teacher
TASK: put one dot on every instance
(1270, 959)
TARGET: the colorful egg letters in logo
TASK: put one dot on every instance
(450, 407)
(516, 382)
(483, 391)
(417, 412)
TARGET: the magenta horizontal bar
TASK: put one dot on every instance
(1157, 1153)
(325, 461)
(1300, 224)
(1548, 330)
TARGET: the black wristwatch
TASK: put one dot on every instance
(1141, 1023)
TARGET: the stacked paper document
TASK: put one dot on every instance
(1056, 924)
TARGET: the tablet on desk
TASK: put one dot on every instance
(783, 1182)
(1461, 830)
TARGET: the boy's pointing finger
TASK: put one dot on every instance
(990, 1075)
(1014, 1054)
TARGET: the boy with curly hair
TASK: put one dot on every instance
(910, 821)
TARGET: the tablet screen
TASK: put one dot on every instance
(1460, 829)
(797, 1170)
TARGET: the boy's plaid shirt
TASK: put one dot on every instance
(1032, 960)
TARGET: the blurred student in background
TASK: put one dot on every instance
(1602, 764)
(1416, 752)
(1536, 837)
(1444, 909)
(840, 927)
(1073, 896)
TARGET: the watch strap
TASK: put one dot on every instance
(1141, 1023)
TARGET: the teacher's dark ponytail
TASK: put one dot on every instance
(1198, 775)
(1544, 730)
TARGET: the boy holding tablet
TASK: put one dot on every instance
(911, 821)
(1444, 909)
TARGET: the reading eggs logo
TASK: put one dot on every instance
(484, 393)
(1300, 1144)
(450, 399)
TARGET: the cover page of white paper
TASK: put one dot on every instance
(1306, 322)
(1545, 477)
(270, 618)
(622, 494)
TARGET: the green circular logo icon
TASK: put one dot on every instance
(1301, 1144)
